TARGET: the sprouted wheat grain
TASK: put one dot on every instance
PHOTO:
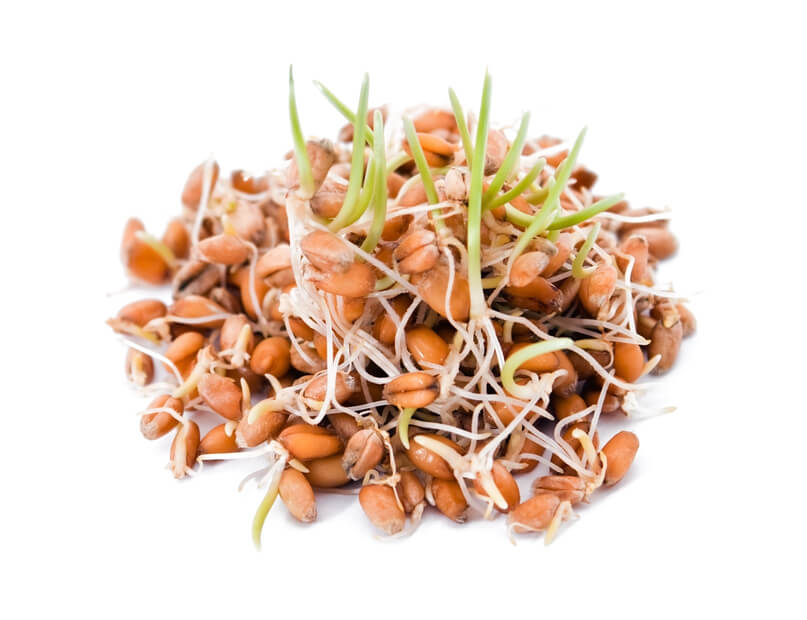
(427, 313)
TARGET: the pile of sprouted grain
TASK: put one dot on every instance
(419, 317)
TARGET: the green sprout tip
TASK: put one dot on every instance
(300, 154)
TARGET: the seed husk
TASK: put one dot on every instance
(222, 395)
(196, 307)
(141, 260)
(195, 277)
(379, 504)
(271, 356)
(435, 118)
(177, 238)
(411, 491)
(417, 252)
(328, 199)
(276, 259)
(155, 425)
(344, 424)
(345, 386)
(310, 366)
(384, 329)
(661, 242)
(304, 441)
(182, 351)
(569, 405)
(620, 451)
(143, 311)
(539, 295)
(232, 329)
(628, 361)
(217, 441)
(425, 346)
(362, 453)
(570, 489)
(322, 156)
(432, 286)
(184, 448)
(327, 251)
(430, 463)
(527, 267)
(224, 249)
(597, 289)
(666, 342)
(449, 499)
(357, 281)
(535, 514)
(298, 496)
(327, 473)
(139, 367)
(505, 483)
(412, 390)
(249, 183)
(192, 192)
(265, 427)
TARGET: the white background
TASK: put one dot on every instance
(105, 108)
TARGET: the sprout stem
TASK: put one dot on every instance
(475, 205)
(537, 197)
(380, 191)
(522, 355)
(584, 214)
(518, 188)
(357, 163)
(366, 194)
(459, 116)
(552, 203)
(423, 168)
(577, 266)
(266, 505)
(420, 162)
(343, 109)
(300, 155)
(403, 425)
(513, 155)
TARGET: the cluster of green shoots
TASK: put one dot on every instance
(366, 204)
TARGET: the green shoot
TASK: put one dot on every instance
(513, 156)
(300, 155)
(519, 187)
(343, 109)
(403, 426)
(519, 218)
(581, 216)
(380, 191)
(366, 194)
(263, 510)
(538, 196)
(357, 162)
(478, 304)
(544, 218)
(459, 115)
(420, 162)
(577, 266)
(522, 355)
